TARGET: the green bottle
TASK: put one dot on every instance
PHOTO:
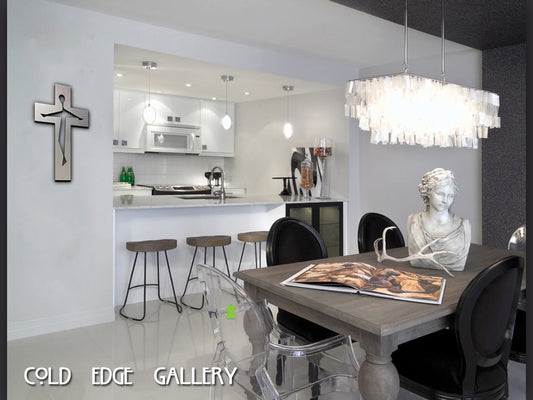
(123, 176)
(131, 176)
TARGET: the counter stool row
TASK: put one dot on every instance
(162, 245)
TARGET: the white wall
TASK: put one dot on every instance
(261, 150)
(389, 174)
(60, 235)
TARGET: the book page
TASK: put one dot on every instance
(404, 284)
(366, 279)
(350, 274)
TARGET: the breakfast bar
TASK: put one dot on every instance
(170, 217)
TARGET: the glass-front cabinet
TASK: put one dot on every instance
(326, 218)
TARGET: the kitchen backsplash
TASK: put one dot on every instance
(167, 168)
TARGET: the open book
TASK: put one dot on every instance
(356, 277)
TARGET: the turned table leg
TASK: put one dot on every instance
(378, 378)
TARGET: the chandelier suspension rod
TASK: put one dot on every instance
(443, 45)
(405, 42)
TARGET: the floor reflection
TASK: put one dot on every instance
(164, 339)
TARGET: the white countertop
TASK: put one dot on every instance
(171, 201)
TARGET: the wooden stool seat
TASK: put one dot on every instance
(152, 245)
(213, 241)
(209, 241)
(253, 237)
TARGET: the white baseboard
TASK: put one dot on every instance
(41, 326)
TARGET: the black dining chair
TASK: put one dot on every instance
(517, 241)
(468, 360)
(371, 226)
(290, 240)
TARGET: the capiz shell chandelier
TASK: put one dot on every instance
(410, 109)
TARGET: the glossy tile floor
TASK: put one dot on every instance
(164, 339)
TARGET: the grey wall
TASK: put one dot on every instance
(504, 153)
(389, 174)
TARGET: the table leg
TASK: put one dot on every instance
(378, 378)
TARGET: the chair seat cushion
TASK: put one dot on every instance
(302, 327)
(434, 361)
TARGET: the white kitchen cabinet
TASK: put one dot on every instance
(171, 110)
(216, 141)
(128, 124)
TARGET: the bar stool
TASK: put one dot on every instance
(205, 242)
(148, 246)
(255, 237)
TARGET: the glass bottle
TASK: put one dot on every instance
(131, 176)
(306, 169)
(123, 175)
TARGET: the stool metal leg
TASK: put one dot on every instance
(259, 256)
(175, 302)
(242, 254)
(190, 279)
(255, 254)
(225, 258)
(132, 287)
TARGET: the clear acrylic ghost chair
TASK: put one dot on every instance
(248, 339)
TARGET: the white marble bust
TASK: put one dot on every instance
(437, 225)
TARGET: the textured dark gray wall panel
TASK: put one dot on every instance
(504, 152)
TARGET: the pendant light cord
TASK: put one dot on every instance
(405, 42)
(226, 96)
(149, 72)
(288, 112)
(442, 44)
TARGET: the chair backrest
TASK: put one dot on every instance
(485, 317)
(238, 322)
(291, 240)
(517, 240)
(371, 226)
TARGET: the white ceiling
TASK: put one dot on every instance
(174, 72)
(317, 28)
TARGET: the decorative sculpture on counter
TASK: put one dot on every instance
(436, 237)
(323, 151)
(52, 114)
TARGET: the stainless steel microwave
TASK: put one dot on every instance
(173, 139)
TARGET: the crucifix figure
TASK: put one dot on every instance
(52, 114)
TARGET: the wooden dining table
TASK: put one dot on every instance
(378, 324)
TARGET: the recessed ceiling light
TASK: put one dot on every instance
(213, 98)
(159, 91)
(120, 74)
(188, 85)
(247, 93)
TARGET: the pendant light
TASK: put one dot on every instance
(226, 120)
(287, 126)
(409, 109)
(149, 111)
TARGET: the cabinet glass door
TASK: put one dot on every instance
(326, 218)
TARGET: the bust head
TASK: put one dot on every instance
(434, 180)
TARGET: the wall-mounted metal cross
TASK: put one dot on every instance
(52, 114)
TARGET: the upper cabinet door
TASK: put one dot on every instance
(162, 104)
(186, 111)
(216, 141)
(131, 125)
(172, 110)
